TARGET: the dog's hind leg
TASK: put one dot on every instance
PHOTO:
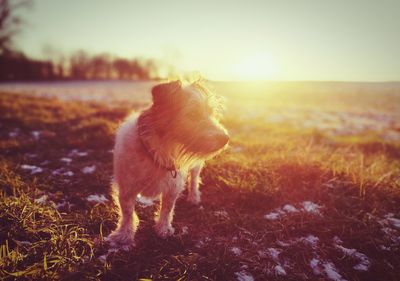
(128, 222)
(165, 215)
(194, 194)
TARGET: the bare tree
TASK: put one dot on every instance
(79, 65)
(57, 59)
(100, 67)
(122, 68)
(10, 23)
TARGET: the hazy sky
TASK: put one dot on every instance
(356, 40)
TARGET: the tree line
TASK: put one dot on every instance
(16, 66)
(79, 66)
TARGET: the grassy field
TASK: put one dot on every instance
(309, 189)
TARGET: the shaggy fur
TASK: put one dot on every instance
(156, 151)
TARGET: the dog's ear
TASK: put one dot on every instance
(163, 92)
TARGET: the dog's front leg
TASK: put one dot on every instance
(194, 194)
(128, 222)
(165, 215)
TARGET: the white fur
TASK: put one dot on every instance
(137, 170)
(136, 173)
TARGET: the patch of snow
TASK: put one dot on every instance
(315, 266)
(87, 91)
(33, 169)
(311, 207)
(66, 160)
(331, 272)
(244, 266)
(63, 172)
(68, 173)
(88, 169)
(289, 208)
(391, 234)
(14, 133)
(383, 247)
(61, 205)
(363, 261)
(31, 155)
(244, 276)
(35, 135)
(390, 227)
(274, 215)
(97, 198)
(346, 251)
(144, 201)
(306, 206)
(202, 243)
(283, 244)
(310, 240)
(274, 253)
(103, 258)
(363, 265)
(222, 213)
(337, 240)
(57, 172)
(395, 222)
(185, 230)
(41, 199)
(279, 270)
(237, 251)
(76, 152)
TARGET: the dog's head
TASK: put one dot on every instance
(190, 117)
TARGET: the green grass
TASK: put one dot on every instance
(354, 178)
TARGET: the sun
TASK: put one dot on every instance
(259, 66)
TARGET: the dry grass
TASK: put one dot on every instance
(354, 179)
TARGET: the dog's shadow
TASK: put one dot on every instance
(151, 255)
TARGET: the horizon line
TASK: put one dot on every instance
(209, 80)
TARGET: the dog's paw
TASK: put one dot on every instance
(121, 239)
(194, 199)
(164, 230)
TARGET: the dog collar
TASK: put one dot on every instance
(142, 129)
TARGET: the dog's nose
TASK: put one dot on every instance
(222, 139)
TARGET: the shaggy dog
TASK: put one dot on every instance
(156, 151)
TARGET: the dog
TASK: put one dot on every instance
(157, 150)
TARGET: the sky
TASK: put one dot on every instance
(324, 40)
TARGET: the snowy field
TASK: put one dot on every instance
(373, 108)
(307, 190)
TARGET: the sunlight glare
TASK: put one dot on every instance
(259, 66)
